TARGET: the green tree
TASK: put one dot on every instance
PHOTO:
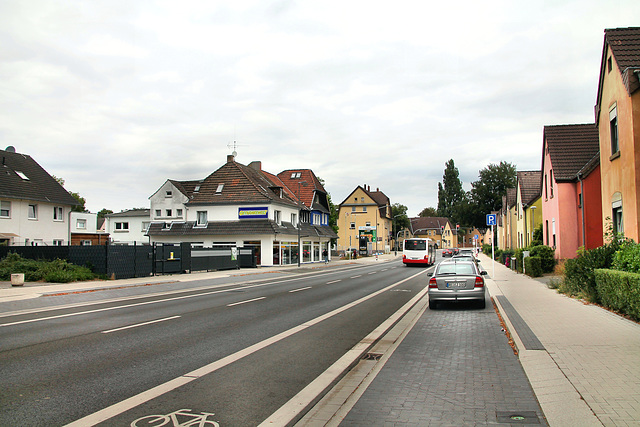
(81, 200)
(400, 219)
(103, 212)
(486, 193)
(333, 210)
(428, 212)
(450, 191)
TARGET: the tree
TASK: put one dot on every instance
(450, 191)
(428, 212)
(486, 193)
(400, 219)
(81, 200)
(103, 212)
(333, 210)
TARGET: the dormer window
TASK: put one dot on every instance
(295, 175)
(219, 189)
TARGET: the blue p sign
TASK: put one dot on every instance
(491, 219)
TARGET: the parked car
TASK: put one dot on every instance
(466, 251)
(457, 280)
(456, 251)
(467, 257)
(447, 252)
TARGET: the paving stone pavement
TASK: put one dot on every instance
(454, 368)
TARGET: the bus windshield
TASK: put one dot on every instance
(415, 245)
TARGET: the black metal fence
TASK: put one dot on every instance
(128, 261)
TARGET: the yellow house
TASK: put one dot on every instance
(437, 229)
(365, 222)
(618, 119)
(527, 195)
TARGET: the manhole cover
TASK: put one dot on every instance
(517, 417)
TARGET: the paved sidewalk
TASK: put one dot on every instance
(582, 362)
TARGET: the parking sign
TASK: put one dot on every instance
(491, 219)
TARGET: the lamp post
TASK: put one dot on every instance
(299, 218)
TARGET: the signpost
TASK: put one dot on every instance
(492, 220)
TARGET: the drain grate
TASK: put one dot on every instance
(372, 356)
(517, 417)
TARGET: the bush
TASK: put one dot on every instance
(579, 278)
(486, 249)
(518, 256)
(533, 266)
(627, 258)
(546, 255)
(507, 253)
(619, 291)
(56, 271)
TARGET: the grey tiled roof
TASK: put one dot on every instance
(258, 226)
(429, 222)
(130, 213)
(39, 185)
(570, 147)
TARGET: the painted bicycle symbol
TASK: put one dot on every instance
(180, 418)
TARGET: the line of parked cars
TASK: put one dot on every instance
(457, 279)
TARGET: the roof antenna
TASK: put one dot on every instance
(235, 146)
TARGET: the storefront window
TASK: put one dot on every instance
(306, 252)
(276, 253)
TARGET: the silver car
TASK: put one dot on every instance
(457, 280)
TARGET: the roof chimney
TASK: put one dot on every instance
(256, 165)
(230, 158)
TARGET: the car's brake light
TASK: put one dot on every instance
(404, 257)
(479, 282)
(433, 283)
(426, 257)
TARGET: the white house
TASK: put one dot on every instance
(128, 227)
(240, 206)
(34, 208)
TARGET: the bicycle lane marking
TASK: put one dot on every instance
(130, 403)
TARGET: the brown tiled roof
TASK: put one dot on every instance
(37, 185)
(509, 199)
(428, 222)
(529, 182)
(570, 147)
(625, 47)
(308, 181)
(242, 184)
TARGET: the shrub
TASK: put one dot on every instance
(533, 266)
(546, 255)
(619, 291)
(579, 278)
(56, 271)
(518, 256)
(627, 258)
(486, 249)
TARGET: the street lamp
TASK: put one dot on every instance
(304, 183)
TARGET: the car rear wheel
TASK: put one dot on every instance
(432, 304)
(482, 303)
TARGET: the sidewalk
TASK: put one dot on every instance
(582, 362)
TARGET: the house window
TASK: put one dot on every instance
(57, 242)
(547, 232)
(158, 213)
(364, 209)
(168, 193)
(81, 224)
(179, 212)
(362, 199)
(368, 224)
(277, 217)
(145, 226)
(122, 226)
(168, 212)
(609, 65)
(551, 182)
(57, 213)
(219, 189)
(296, 175)
(201, 218)
(616, 213)
(197, 189)
(85, 243)
(353, 209)
(352, 226)
(22, 175)
(293, 219)
(613, 128)
(33, 212)
(546, 195)
(5, 209)
(580, 200)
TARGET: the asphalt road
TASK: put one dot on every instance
(235, 350)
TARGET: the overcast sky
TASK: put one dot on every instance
(116, 97)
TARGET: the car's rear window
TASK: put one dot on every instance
(456, 269)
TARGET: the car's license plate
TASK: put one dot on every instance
(456, 284)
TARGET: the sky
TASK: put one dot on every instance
(115, 97)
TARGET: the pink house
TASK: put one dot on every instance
(570, 184)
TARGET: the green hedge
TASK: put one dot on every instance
(579, 278)
(546, 255)
(619, 291)
(57, 271)
(533, 266)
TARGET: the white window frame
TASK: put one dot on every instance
(158, 213)
(277, 217)
(81, 224)
(58, 213)
(32, 211)
(145, 225)
(85, 243)
(168, 212)
(5, 206)
(179, 213)
(201, 218)
(121, 227)
(57, 242)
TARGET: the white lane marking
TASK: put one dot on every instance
(373, 272)
(355, 277)
(301, 289)
(335, 281)
(141, 324)
(384, 269)
(145, 396)
(246, 301)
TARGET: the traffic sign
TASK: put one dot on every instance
(492, 219)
